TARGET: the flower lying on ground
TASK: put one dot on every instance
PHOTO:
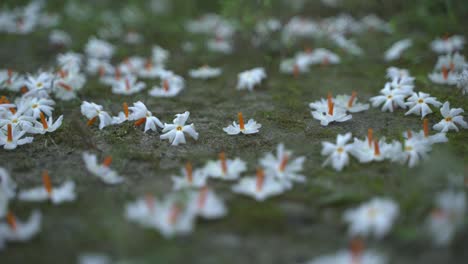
(19, 231)
(102, 171)
(207, 204)
(252, 127)
(373, 218)
(94, 111)
(141, 114)
(225, 169)
(175, 132)
(447, 217)
(355, 255)
(418, 104)
(259, 187)
(190, 178)
(395, 51)
(7, 184)
(448, 44)
(331, 114)
(171, 85)
(63, 193)
(337, 153)
(13, 137)
(128, 85)
(283, 167)
(390, 98)
(249, 79)
(451, 118)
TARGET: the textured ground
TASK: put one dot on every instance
(292, 228)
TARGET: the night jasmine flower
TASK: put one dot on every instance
(350, 103)
(389, 99)
(395, 51)
(448, 44)
(102, 171)
(190, 178)
(250, 78)
(225, 169)
(451, 118)
(58, 195)
(175, 132)
(171, 85)
(424, 135)
(7, 184)
(121, 116)
(373, 218)
(418, 104)
(46, 125)
(337, 153)
(332, 114)
(99, 49)
(39, 85)
(403, 85)
(94, 111)
(207, 204)
(397, 73)
(260, 187)
(283, 166)
(252, 127)
(19, 231)
(13, 138)
(127, 86)
(414, 151)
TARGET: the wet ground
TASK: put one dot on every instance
(292, 228)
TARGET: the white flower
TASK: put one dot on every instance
(348, 45)
(331, 114)
(450, 62)
(102, 171)
(452, 118)
(19, 231)
(252, 127)
(7, 184)
(99, 49)
(93, 111)
(423, 135)
(151, 71)
(415, 150)
(374, 217)
(171, 85)
(225, 169)
(175, 132)
(397, 73)
(141, 114)
(403, 85)
(11, 80)
(40, 85)
(121, 116)
(207, 204)
(293, 66)
(190, 178)
(58, 195)
(447, 217)
(249, 79)
(70, 61)
(283, 166)
(171, 217)
(395, 51)
(369, 149)
(444, 77)
(323, 57)
(98, 66)
(462, 81)
(337, 153)
(128, 85)
(260, 187)
(448, 44)
(13, 138)
(205, 72)
(350, 103)
(390, 99)
(46, 125)
(418, 104)
(35, 106)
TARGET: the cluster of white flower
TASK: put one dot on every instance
(175, 215)
(303, 60)
(18, 231)
(219, 30)
(336, 109)
(139, 113)
(26, 19)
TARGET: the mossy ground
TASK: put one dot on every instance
(292, 228)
